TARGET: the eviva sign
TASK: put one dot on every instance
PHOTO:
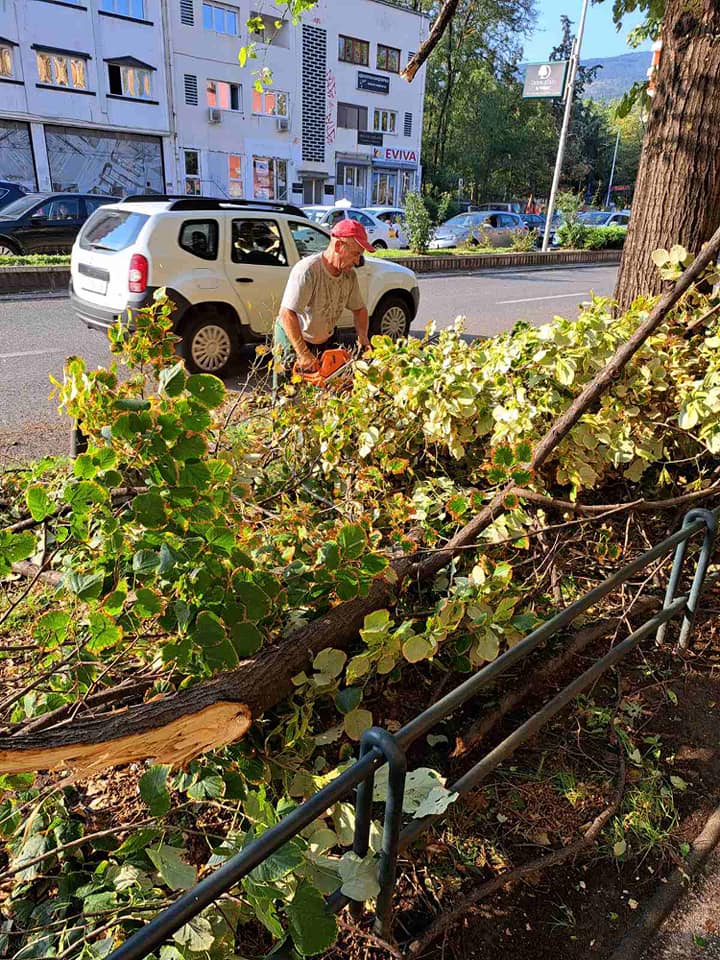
(395, 155)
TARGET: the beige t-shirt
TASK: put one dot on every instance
(318, 298)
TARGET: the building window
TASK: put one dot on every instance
(224, 96)
(220, 19)
(124, 8)
(61, 70)
(352, 117)
(388, 58)
(408, 125)
(268, 29)
(192, 172)
(269, 178)
(6, 64)
(383, 191)
(129, 80)
(235, 183)
(270, 103)
(384, 121)
(191, 89)
(353, 51)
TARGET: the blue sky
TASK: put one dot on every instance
(600, 38)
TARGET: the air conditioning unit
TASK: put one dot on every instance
(283, 124)
(214, 115)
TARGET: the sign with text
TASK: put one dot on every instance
(395, 155)
(373, 82)
(545, 80)
(370, 138)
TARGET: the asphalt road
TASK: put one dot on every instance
(37, 334)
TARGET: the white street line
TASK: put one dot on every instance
(30, 353)
(555, 296)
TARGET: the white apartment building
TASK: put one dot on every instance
(135, 96)
(83, 101)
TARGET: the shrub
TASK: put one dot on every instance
(419, 224)
(525, 242)
(35, 260)
(572, 234)
(605, 238)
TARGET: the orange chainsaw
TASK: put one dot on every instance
(335, 365)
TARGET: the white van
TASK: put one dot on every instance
(224, 264)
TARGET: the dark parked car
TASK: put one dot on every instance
(9, 192)
(45, 222)
(536, 222)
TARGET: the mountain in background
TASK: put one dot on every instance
(617, 75)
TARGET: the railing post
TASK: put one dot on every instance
(385, 743)
(710, 521)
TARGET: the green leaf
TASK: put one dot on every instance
(246, 638)
(417, 648)
(87, 586)
(330, 661)
(357, 722)
(352, 541)
(51, 628)
(348, 699)
(329, 555)
(208, 390)
(84, 467)
(172, 380)
(15, 547)
(312, 926)
(565, 370)
(191, 447)
(256, 602)
(168, 862)
(147, 603)
(154, 791)
(208, 629)
(103, 633)
(278, 864)
(149, 510)
(209, 788)
(38, 502)
(196, 935)
(373, 563)
(359, 876)
(145, 561)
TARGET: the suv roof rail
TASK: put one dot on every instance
(150, 197)
(215, 203)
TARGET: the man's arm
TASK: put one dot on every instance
(362, 322)
(291, 325)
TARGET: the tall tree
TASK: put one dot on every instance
(677, 195)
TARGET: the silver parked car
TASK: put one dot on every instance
(496, 228)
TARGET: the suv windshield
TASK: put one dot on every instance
(20, 206)
(315, 213)
(111, 229)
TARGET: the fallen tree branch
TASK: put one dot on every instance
(433, 39)
(149, 730)
(634, 506)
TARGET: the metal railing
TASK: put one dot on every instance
(378, 745)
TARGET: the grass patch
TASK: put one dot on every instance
(37, 260)
(451, 252)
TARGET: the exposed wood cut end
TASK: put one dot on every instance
(175, 743)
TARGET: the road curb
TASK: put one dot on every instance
(56, 277)
(668, 896)
(34, 279)
(494, 261)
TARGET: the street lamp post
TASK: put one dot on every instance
(612, 170)
(569, 91)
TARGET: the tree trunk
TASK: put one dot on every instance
(677, 196)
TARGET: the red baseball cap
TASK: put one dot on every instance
(348, 228)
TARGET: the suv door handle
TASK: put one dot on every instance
(244, 280)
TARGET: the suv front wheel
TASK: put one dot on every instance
(391, 318)
(210, 343)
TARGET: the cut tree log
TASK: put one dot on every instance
(260, 683)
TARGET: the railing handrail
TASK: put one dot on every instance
(145, 940)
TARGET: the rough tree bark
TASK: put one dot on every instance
(677, 195)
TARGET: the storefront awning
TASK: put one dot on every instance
(357, 159)
(313, 174)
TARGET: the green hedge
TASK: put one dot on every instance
(36, 260)
(580, 237)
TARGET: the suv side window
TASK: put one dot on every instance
(362, 218)
(335, 217)
(258, 242)
(67, 209)
(92, 205)
(508, 220)
(620, 220)
(308, 239)
(200, 238)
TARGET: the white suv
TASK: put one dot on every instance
(224, 264)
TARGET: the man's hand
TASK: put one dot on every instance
(363, 342)
(307, 362)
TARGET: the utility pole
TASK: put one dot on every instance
(612, 170)
(569, 91)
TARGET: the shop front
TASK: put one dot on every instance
(353, 177)
(395, 173)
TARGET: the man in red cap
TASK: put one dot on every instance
(318, 290)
